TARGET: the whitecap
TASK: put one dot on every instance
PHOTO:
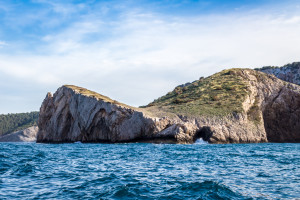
(200, 141)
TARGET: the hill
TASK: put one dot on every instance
(26, 135)
(218, 95)
(15, 122)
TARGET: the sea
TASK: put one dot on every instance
(149, 171)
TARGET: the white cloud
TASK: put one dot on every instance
(2, 43)
(143, 56)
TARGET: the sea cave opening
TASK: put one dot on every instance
(205, 133)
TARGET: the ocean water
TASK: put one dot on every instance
(149, 171)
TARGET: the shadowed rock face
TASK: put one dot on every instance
(282, 116)
(272, 108)
(270, 114)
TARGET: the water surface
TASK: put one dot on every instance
(149, 171)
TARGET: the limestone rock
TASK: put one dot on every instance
(69, 116)
(289, 72)
(270, 113)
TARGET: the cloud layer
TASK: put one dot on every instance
(134, 54)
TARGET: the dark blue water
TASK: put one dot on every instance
(149, 171)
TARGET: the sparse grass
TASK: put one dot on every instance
(96, 95)
(219, 94)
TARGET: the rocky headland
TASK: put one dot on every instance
(232, 106)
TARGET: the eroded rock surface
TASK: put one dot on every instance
(270, 113)
(289, 72)
(69, 116)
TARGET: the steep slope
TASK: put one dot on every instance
(233, 106)
(289, 72)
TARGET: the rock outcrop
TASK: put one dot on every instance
(26, 135)
(70, 116)
(289, 72)
(262, 108)
(271, 113)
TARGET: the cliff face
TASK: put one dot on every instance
(70, 116)
(233, 106)
(289, 72)
(271, 112)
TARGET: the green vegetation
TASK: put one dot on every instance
(254, 112)
(219, 94)
(15, 122)
(267, 67)
(294, 65)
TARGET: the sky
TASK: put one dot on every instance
(135, 51)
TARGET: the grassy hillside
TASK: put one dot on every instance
(14, 122)
(219, 94)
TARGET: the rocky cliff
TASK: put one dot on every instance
(233, 106)
(289, 72)
(26, 135)
(76, 114)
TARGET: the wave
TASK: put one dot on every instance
(200, 141)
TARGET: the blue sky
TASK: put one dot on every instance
(135, 51)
